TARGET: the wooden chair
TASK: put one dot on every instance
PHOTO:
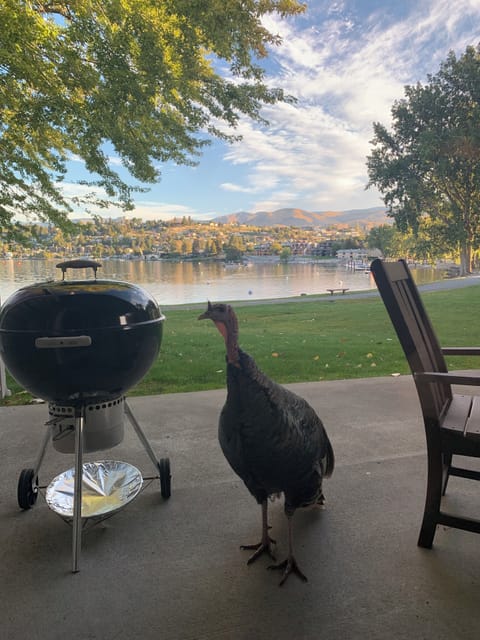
(452, 421)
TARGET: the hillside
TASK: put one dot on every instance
(301, 218)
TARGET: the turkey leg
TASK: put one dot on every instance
(289, 565)
(265, 545)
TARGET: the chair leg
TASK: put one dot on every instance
(447, 463)
(427, 532)
(432, 501)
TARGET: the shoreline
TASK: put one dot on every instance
(439, 285)
(265, 280)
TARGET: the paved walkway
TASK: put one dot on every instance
(173, 570)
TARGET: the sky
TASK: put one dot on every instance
(346, 63)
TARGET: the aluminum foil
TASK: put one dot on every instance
(107, 485)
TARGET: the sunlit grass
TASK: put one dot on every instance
(301, 341)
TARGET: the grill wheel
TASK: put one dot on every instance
(165, 478)
(27, 491)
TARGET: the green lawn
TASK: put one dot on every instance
(301, 341)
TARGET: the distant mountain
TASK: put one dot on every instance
(300, 218)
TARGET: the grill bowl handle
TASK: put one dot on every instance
(78, 264)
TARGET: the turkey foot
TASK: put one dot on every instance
(265, 546)
(289, 566)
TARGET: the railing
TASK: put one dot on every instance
(3, 382)
(4, 391)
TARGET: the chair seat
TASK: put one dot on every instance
(463, 417)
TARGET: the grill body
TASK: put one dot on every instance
(85, 341)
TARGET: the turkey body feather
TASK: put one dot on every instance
(272, 438)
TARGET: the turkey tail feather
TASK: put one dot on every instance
(330, 460)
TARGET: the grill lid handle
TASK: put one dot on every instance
(63, 342)
(78, 264)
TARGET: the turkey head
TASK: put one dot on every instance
(224, 318)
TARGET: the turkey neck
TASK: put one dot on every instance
(229, 331)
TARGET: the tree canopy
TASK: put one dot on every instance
(428, 166)
(153, 80)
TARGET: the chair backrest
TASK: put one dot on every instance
(414, 330)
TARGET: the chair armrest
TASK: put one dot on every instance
(461, 351)
(448, 378)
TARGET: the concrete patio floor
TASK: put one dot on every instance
(173, 570)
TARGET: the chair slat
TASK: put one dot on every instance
(419, 341)
(458, 413)
(473, 425)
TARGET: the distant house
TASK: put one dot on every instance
(358, 255)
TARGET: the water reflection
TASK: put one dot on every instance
(184, 282)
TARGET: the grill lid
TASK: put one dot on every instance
(63, 306)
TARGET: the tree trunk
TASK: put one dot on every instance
(465, 258)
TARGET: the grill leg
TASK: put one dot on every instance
(77, 488)
(141, 436)
(41, 455)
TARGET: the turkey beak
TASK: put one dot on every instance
(206, 314)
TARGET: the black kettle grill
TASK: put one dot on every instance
(72, 341)
(80, 345)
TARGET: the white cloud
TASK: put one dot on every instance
(345, 74)
(229, 186)
(160, 211)
(148, 210)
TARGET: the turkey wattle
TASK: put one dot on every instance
(272, 438)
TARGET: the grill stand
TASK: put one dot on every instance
(77, 490)
(28, 499)
(141, 436)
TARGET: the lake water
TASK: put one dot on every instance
(174, 283)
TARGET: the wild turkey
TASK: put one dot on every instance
(271, 437)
